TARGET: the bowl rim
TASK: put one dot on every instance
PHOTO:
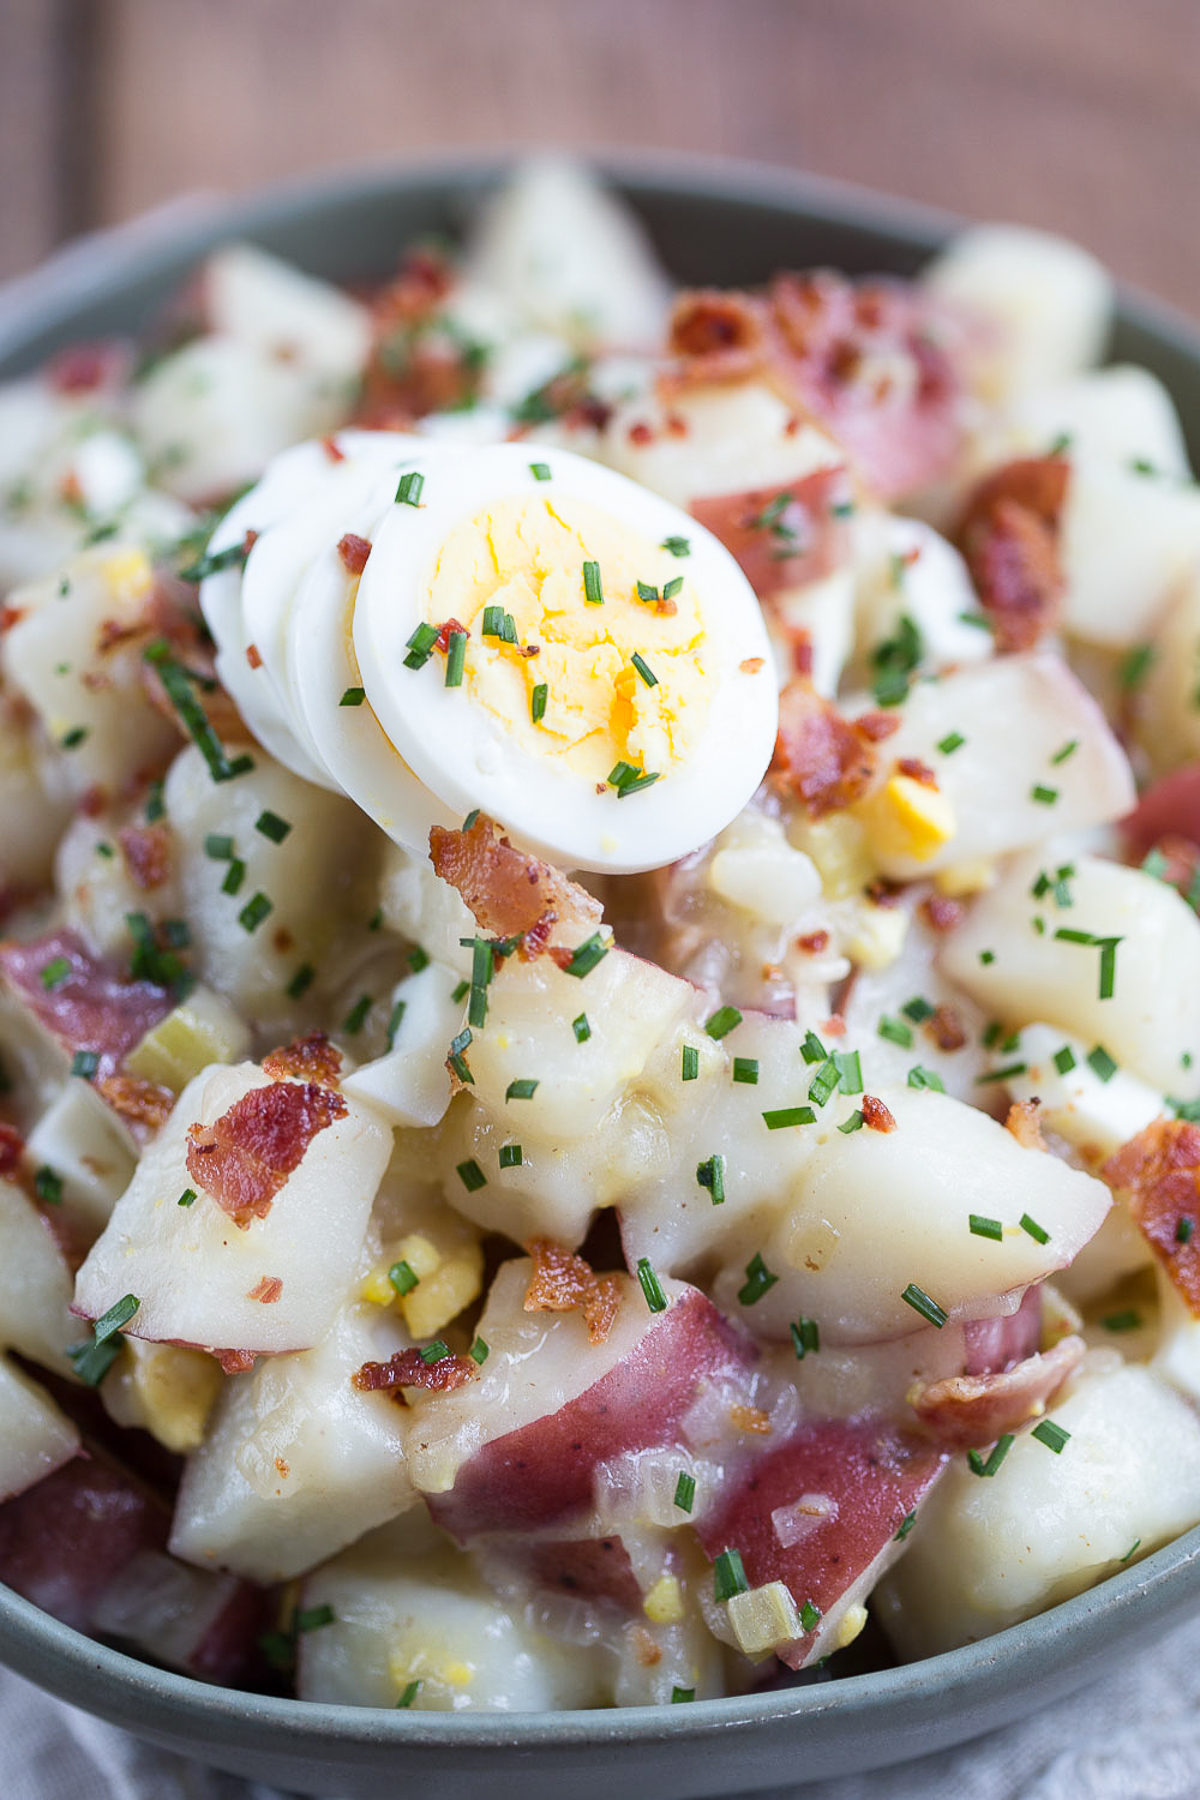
(1030, 1654)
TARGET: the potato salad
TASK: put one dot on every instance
(600, 970)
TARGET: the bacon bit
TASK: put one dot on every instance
(408, 1368)
(942, 913)
(310, 1058)
(750, 1418)
(12, 1149)
(1024, 1121)
(875, 726)
(666, 609)
(876, 1116)
(971, 1411)
(10, 616)
(640, 433)
(677, 426)
(883, 893)
(1158, 1172)
(752, 665)
(819, 756)
(783, 537)
(917, 771)
(282, 1469)
(721, 334)
(140, 1103)
(1009, 534)
(353, 552)
(813, 943)
(235, 1362)
(443, 636)
(529, 649)
(945, 1028)
(243, 1158)
(564, 1282)
(332, 450)
(95, 1008)
(510, 893)
(147, 853)
(82, 368)
(834, 1026)
(646, 1648)
(267, 1290)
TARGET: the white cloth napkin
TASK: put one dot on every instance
(1133, 1736)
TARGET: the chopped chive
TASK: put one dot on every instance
(187, 1198)
(524, 1089)
(1136, 666)
(1033, 1229)
(480, 1350)
(581, 1028)
(824, 1082)
(921, 1303)
(586, 956)
(177, 932)
(656, 1300)
(1184, 1228)
(314, 1617)
(1045, 796)
(681, 1696)
(1135, 1545)
(1129, 1320)
(987, 957)
(213, 561)
(759, 1281)
(218, 846)
(711, 1175)
(812, 1049)
(637, 782)
(436, 1352)
(356, 1017)
(55, 972)
(353, 696)
(1065, 750)
(810, 1615)
(117, 1315)
(985, 1228)
(235, 874)
(540, 471)
(403, 1277)
(906, 1525)
(854, 1122)
(456, 657)
(537, 702)
(1100, 1062)
(72, 739)
(644, 670)
(408, 493)
(646, 591)
(48, 1186)
(918, 1010)
(781, 1117)
(849, 1068)
(1064, 1059)
(469, 822)
(689, 1063)
(456, 1056)
(895, 1031)
(593, 591)
(177, 685)
(471, 1175)
(1004, 1074)
(155, 808)
(255, 911)
(1108, 966)
(272, 826)
(407, 1696)
(510, 1156)
(722, 1022)
(953, 741)
(1052, 1435)
(920, 1077)
(806, 1337)
(301, 981)
(673, 587)
(678, 546)
(745, 1069)
(729, 1577)
(685, 1491)
(1001, 1448)
(85, 1063)
(418, 959)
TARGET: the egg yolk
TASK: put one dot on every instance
(576, 634)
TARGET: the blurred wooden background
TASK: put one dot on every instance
(1079, 114)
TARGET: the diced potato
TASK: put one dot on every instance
(1093, 1107)
(35, 1285)
(906, 570)
(984, 1554)
(410, 1084)
(1148, 1022)
(1121, 415)
(202, 1030)
(1128, 540)
(79, 1139)
(1166, 716)
(35, 1437)
(277, 310)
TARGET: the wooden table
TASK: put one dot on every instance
(1078, 114)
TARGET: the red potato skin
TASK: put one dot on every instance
(876, 1473)
(818, 537)
(596, 1568)
(544, 1472)
(1168, 808)
(94, 1008)
(994, 1345)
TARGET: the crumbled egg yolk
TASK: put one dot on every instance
(128, 575)
(663, 1604)
(528, 557)
(447, 1281)
(906, 817)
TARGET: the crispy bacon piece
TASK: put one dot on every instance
(943, 913)
(412, 368)
(819, 755)
(93, 1007)
(1024, 1122)
(144, 1105)
(1009, 536)
(970, 1411)
(83, 368)
(564, 1282)
(243, 1158)
(875, 726)
(147, 853)
(784, 537)
(310, 1058)
(408, 1368)
(510, 893)
(946, 1028)
(1158, 1174)
(353, 552)
(235, 1362)
(876, 1115)
(268, 1290)
(859, 358)
(254, 656)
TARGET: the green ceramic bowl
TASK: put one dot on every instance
(712, 223)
